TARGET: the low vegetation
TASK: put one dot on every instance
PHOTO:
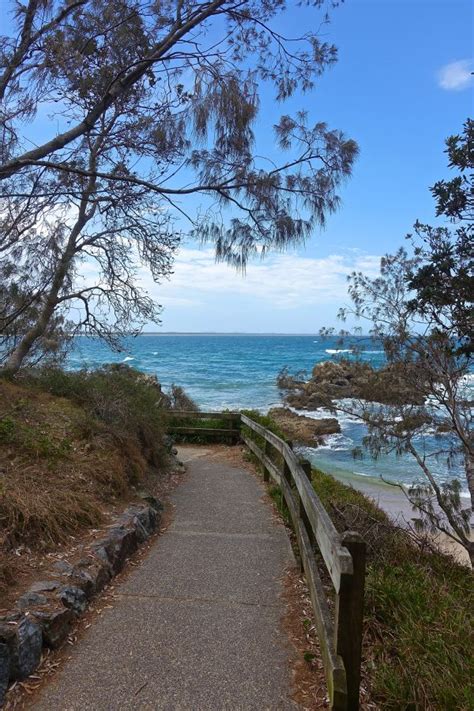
(72, 445)
(418, 616)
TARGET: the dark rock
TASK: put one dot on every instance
(31, 599)
(62, 567)
(154, 503)
(8, 632)
(4, 670)
(98, 549)
(101, 574)
(55, 625)
(119, 545)
(144, 519)
(24, 641)
(91, 575)
(81, 578)
(44, 586)
(74, 598)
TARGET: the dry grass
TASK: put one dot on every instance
(60, 468)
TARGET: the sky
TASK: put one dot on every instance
(402, 84)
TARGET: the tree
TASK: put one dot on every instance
(422, 350)
(82, 223)
(152, 109)
(444, 277)
(420, 309)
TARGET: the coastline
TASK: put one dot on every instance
(391, 500)
(387, 496)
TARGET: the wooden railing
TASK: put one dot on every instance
(188, 425)
(339, 624)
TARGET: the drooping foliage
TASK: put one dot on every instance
(420, 310)
(152, 109)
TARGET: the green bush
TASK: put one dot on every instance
(7, 429)
(180, 400)
(129, 403)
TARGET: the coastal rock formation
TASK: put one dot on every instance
(303, 429)
(335, 380)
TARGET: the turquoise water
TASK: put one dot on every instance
(218, 371)
(239, 371)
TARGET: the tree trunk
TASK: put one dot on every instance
(15, 361)
(469, 463)
(469, 466)
(18, 355)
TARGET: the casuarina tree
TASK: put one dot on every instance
(152, 109)
(420, 309)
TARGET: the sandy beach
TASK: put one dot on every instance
(391, 500)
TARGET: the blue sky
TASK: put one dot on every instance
(401, 86)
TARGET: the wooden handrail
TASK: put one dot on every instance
(197, 415)
(340, 635)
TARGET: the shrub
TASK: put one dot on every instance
(179, 400)
(129, 403)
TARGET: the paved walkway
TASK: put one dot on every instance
(198, 625)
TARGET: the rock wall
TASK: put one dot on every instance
(44, 615)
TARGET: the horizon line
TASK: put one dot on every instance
(243, 333)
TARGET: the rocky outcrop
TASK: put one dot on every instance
(303, 429)
(335, 380)
(45, 614)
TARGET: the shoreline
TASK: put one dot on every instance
(391, 500)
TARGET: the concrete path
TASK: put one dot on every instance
(197, 626)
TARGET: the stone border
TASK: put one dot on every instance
(45, 614)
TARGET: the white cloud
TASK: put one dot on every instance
(456, 75)
(286, 281)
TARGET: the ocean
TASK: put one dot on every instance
(234, 371)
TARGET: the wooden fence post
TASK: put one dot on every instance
(235, 429)
(349, 616)
(266, 473)
(306, 467)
